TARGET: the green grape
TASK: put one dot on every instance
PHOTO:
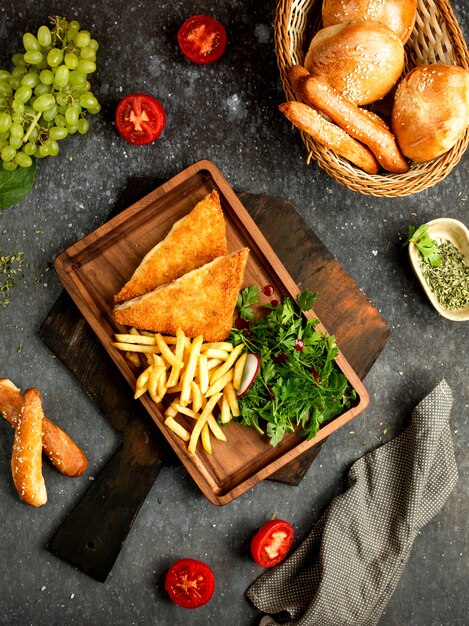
(71, 115)
(5, 122)
(72, 128)
(57, 133)
(41, 89)
(82, 39)
(83, 126)
(8, 153)
(94, 45)
(44, 102)
(62, 76)
(15, 142)
(34, 134)
(23, 94)
(46, 77)
(71, 60)
(44, 150)
(53, 147)
(62, 99)
(33, 57)
(74, 25)
(23, 160)
(95, 109)
(88, 100)
(30, 43)
(50, 114)
(18, 71)
(88, 53)
(86, 67)
(60, 120)
(54, 57)
(5, 89)
(14, 82)
(4, 75)
(44, 36)
(77, 79)
(9, 166)
(76, 105)
(30, 79)
(29, 148)
(18, 108)
(43, 64)
(18, 59)
(16, 130)
(87, 86)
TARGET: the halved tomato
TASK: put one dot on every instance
(202, 39)
(190, 583)
(140, 118)
(272, 542)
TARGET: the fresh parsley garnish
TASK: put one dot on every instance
(246, 299)
(427, 247)
(298, 383)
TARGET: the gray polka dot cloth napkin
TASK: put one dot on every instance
(347, 569)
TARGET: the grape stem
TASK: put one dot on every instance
(31, 126)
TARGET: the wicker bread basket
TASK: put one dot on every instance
(436, 38)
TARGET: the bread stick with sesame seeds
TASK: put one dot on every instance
(61, 450)
(26, 458)
(307, 119)
(317, 92)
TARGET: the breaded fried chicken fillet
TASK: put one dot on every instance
(201, 302)
(194, 240)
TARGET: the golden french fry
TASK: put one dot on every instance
(162, 388)
(212, 363)
(134, 331)
(228, 364)
(176, 389)
(177, 428)
(218, 345)
(216, 430)
(188, 375)
(196, 397)
(140, 392)
(184, 410)
(179, 354)
(137, 339)
(143, 378)
(225, 409)
(206, 444)
(238, 370)
(232, 400)
(201, 421)
(133, 358)
(156, 372)
(213, 353)
(171, 411)
(219, 384)
(133, 347)
(166, 352)
(203, 373)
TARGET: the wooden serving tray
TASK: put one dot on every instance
(95, 268)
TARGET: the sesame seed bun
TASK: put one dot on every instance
(362, 60)
(431, 110)
(398, 15)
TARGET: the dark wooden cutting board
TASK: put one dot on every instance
(92, 535)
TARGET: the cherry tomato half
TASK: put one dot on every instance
(202, 39)
(140, 118)
(190, 583)
(272, 542)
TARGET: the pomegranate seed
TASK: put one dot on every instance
(280, 358)
(241, 324)
(274, 302)
(299, 345)
(268, 290)
(315, 373)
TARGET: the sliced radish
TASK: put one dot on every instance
(251, 367)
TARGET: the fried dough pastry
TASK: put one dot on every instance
(201, 302)
(61, 450)
(194, 240)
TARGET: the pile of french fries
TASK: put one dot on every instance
(196, 377)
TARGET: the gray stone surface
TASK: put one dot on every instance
(226, 112)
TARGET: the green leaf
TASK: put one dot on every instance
(424, 244)
(306, 300)
(15, 185)
(246, 299)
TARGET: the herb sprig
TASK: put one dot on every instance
(427, 247)
(298, 383)
(246, 299)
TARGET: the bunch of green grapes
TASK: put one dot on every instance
(46, 96)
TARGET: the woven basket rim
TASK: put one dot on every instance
(436, 36)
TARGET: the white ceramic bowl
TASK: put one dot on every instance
(443, 228)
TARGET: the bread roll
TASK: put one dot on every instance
(431, 110)
(398, 15)
(362, 60)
